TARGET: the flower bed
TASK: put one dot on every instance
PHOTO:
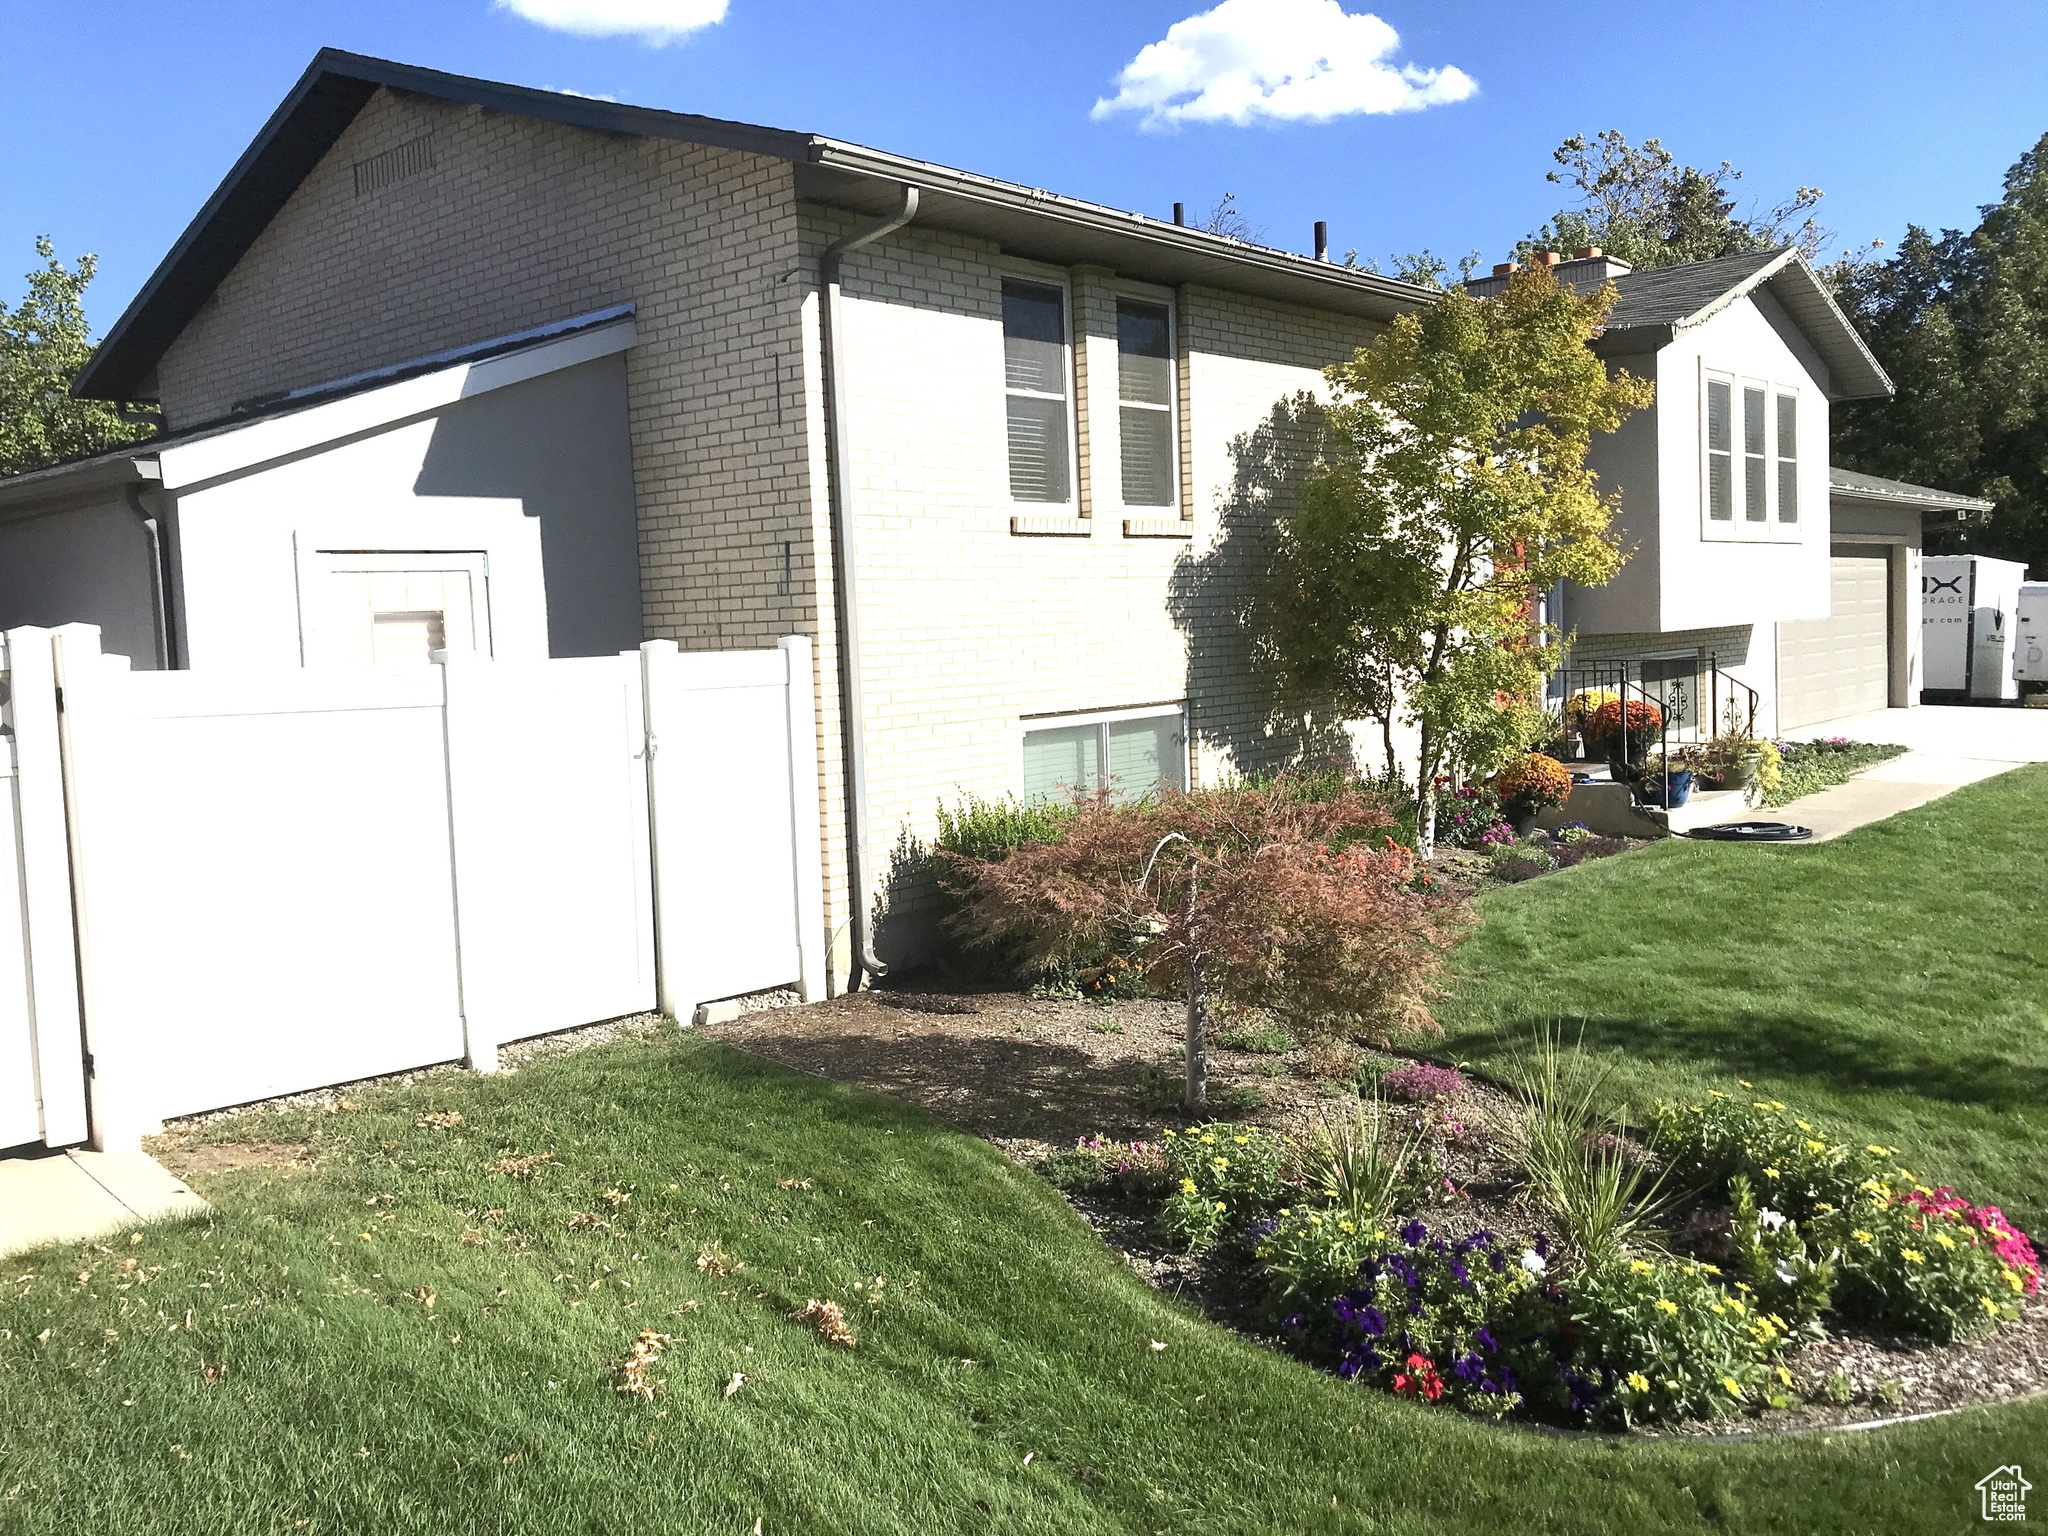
(1358, 1250)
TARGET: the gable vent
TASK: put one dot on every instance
(395, 165)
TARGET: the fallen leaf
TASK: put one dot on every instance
(828, 1319)
(635, 1378)
(1156, 1344)
(424, 1296)
(1029, 1456)
(439, 1120)
(738, 1380)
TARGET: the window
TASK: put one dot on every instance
(1129, 753)
(1755, 469)
(1035, 376)
(1788, 458)
(1144, 387)
(1720, 450)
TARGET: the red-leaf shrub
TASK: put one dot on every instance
(1270, 898)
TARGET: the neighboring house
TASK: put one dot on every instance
(1757, 575)
(424, 313)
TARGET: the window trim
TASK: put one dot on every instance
(1162, 298)
(1739, 529)
(1103, 719)
(1045, 277)
(1786, 528)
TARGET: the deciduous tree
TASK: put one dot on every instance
(43, 344)
(1453, 489)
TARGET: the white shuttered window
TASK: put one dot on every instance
(1035, 374)
(1144, 386)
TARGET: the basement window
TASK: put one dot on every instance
(1128, 754)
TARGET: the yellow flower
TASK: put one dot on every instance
(1219, 1205)
(1715, 1093)
(1244, 1141)
(1824, 1208)
(1990, 1306)
(1816, 1147)
(1745, 1082)
(1208, 1141)
(1759, 1104)
(1778, 1105)
(1641, 1267)
(1708, 1269)
(2012, 1278)
(1875, 1150)
(1770, 1173)
(1736, 1307)
(1219, 1163)
(1346, 1226)
(1912, 1255)
(1863, 1237)
(1638, 1382)
(1802, 1125)
(1944, 1239)
(1742, 1286)
(1784, 1376)
(1734, 1387)
(1666, 1304)
(1716, 1308)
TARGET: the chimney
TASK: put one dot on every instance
(1589, 267)
(1547, 259)
(1180, 213)
(1506, 268)
(1322, 240)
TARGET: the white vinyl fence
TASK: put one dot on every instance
(239, 885)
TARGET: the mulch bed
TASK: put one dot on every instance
(1034, 1075)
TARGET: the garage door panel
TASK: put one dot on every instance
(1840, 665)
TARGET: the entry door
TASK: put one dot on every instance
(395, 608)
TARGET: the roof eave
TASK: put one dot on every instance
(80, 480)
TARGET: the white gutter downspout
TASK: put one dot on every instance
(840, 498)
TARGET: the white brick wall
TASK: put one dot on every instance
(966, 627)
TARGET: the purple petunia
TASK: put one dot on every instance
(1469, 1368)
(1414, 1232)
(1485, 1340)
(1372, 1322)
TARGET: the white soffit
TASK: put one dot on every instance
(238, 449)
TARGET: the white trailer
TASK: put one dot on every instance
(2030, 650)
(1968, 611)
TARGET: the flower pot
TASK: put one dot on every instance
(1742, 772)
(1653, 789)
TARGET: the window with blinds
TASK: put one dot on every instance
(1788, 458)
(1035, 374)
(1755, 466)
(1720, 450)
(1144, 387)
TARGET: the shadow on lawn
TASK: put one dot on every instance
(1757, 1045)
(990, 1086)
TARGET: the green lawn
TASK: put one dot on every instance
(1894, 981)
(1005, 1330)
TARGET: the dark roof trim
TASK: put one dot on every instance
(82, 480)
(1851, 485)
(336, 85)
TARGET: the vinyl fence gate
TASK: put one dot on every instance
(228, 886)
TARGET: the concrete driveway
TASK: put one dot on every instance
(1947, 746)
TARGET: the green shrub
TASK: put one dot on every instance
(1917, 1271)
(1777, 1269)
(1219, 1174)
(1581, 1164)
(978, 828)
(1663, 1340)
(1794, 1165)
(1260, 1039)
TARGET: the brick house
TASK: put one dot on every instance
(1009, 444)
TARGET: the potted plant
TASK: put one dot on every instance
(1667, 780)
(1531, 783)
(1731, 761)
(1617, 731)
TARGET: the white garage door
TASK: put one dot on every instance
(1840, 665)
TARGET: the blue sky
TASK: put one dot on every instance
(118, 117)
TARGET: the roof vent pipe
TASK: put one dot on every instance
(1322, 240)
(1180, 213)
(840, 487)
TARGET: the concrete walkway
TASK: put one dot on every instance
(1947, 745)
(71, 1197)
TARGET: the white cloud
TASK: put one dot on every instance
(570, 90)
(1280, 60)
(654, 22)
